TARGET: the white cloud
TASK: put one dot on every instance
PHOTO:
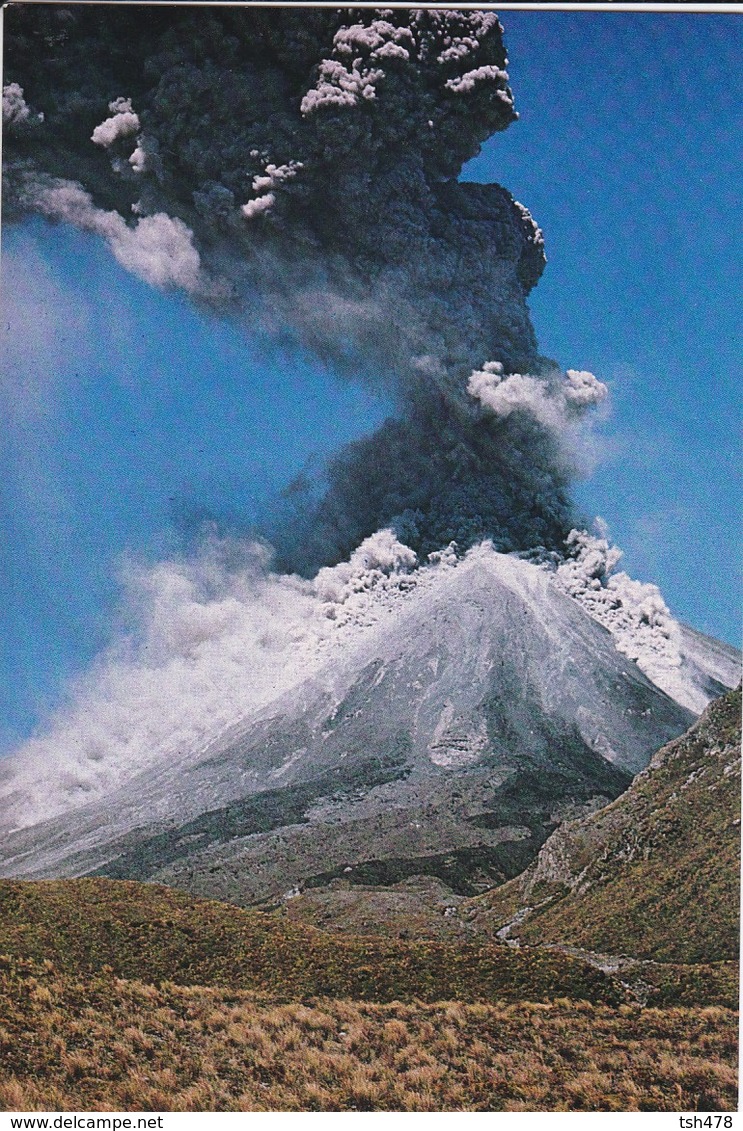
(379, 40)
(338, 85)
(275, 175)
(159, 248)
(378, 559)
(633, 611)
(467, 82)
(515, 392)
(121, 125)
(259, 205)
(559, 403)
(138, 159)
(582, 389)
(15, 109)
(209, 646)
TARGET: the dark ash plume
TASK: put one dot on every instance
(298, 168)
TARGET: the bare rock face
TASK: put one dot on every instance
(447, 739)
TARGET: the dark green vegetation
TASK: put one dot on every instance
(151, 933)
(467, 871)
(526, 800)
(656, 874)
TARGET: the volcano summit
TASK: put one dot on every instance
(437, 721)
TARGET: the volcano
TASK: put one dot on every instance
(463, 711)
(433, 667)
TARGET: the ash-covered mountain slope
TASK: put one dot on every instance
(446, 732)
(656, 874)
(709, 666)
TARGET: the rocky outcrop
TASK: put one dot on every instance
(655, 874)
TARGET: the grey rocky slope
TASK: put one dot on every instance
(447, 736)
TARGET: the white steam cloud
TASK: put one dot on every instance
(554, 403)
(466, 82)
(211, 645)
(15, 109)
(559, 403)
(350, 74)
(158, 248)
(123, 123)
(17, 114)
(633, 611)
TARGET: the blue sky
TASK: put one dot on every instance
(125, 406)
(127, 412)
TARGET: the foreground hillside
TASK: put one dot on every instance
(111, 1044)
(153, 934)
(655, 874)
(120, 995)
(602, 978)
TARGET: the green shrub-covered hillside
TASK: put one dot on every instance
(656, 874)
(153, 933)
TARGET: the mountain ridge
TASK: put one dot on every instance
(651, 877)
(656, 873)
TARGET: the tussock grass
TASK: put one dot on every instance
(107, 1043)
(711, 983)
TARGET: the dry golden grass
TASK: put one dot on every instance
(106, 1043)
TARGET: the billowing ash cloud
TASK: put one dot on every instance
(298, 168)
